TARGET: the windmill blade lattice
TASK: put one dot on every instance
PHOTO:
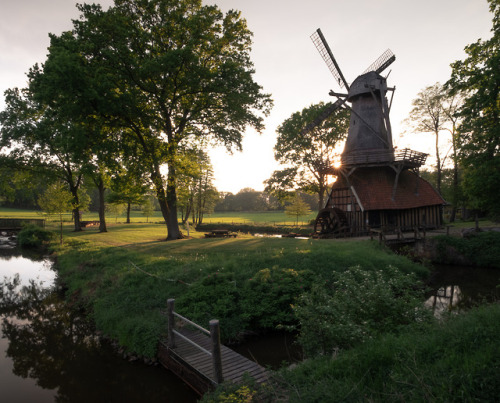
(327, 55)
(384, 60)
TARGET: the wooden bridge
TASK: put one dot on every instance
(196, 356)
(397, 236)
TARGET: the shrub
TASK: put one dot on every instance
(33, 236)
(455, 360)
(358, 305)
(214, 297)
(480, 249)
(268, 296)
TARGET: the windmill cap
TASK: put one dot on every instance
(367, 83)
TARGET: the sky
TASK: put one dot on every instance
(425, 35)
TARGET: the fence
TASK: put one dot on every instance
(214, 334)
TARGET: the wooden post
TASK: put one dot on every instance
(216, 353)
(170, 315)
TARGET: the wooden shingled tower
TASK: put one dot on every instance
(377, 185)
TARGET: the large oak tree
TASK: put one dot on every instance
(170, 71)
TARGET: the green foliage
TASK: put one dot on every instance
(267, 297)
(306, 145)
(262, 301)
(297, 208)
(230, 392)
(56, 199)
(477, 77)
(34, 236)
(458, 359)
(148, 208)
(480, 249)
(356, 306)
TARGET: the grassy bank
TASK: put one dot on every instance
(456, 360)
(125, 276)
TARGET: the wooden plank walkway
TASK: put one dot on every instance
(234, 365)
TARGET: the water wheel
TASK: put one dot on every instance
(331, 223)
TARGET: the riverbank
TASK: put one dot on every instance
(124, 277)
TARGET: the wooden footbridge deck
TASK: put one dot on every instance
(396, 236)
(196, 356)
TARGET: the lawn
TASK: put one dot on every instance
(243, 217)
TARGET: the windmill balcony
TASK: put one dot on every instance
(409, 158)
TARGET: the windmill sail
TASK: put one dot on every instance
(327, 55)
(384, 60)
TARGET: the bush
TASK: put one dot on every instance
(261, 302)
(480, 249)
(455, 360)
(268, 296)
(33, 236)
(358, 306)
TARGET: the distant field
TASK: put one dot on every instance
(265, 217)
(234, 217)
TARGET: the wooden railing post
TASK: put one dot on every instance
(170, 315)
(216, 353)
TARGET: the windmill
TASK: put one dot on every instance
(368, 151)
(369, 127)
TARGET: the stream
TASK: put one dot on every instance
(49, 353)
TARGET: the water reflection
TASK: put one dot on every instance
(55, 347)
(457, 288)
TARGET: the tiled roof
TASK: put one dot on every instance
(373, 187)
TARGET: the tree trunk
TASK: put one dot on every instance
(321, 197)
(167, 201)
(438, 164)
(76, 219)
(128, 212)
(453, 214)
(73, 188)
(102, 207)
(455, 178)
(173, 229)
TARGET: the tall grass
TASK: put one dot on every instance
(455, 360)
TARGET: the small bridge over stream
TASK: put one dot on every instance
(196, 355)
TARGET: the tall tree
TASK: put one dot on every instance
(307, 155)
(451, 107)
(195, 178)
(428, 116)
(41, 139)
(477, 77)
(171, 71)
